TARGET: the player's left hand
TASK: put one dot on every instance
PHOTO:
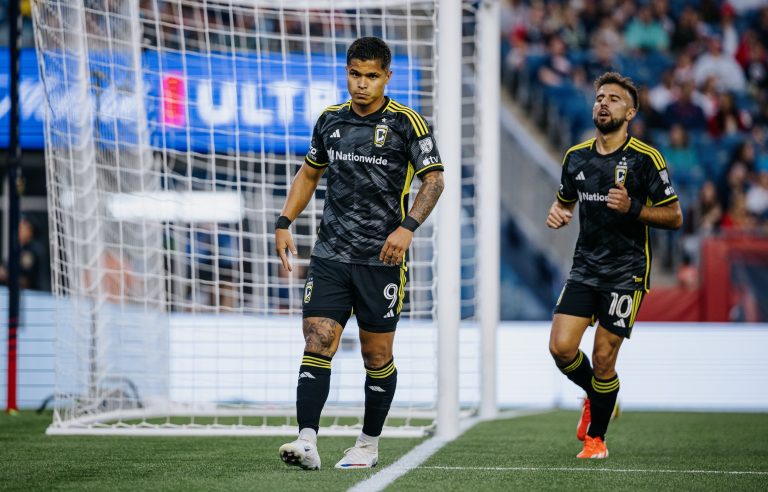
(618, 199)
(395, 246)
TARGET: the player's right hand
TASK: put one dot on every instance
(283, 241)
(558, 216)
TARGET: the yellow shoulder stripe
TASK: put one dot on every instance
(335, 107)
(646, 149)
(582, 145)
(416, 120)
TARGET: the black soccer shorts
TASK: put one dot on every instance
(615, 309)
(375, 294)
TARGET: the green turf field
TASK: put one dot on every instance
(649, 451)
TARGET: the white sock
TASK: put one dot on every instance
(308, 434)
(366, 440)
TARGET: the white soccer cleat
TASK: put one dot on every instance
(300, 453)
(359, 456)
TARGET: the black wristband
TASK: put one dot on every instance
(282, 222)
(634, 209)
(410, 223)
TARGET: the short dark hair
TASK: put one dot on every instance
(620, 80)
(370, 48)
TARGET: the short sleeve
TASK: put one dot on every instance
(659, 182)
(567, 192)
(422, 149)
(317, 156)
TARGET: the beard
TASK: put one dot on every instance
(608, 127)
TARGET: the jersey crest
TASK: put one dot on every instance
(620, 173)
(380, 135)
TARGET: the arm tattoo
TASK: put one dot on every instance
(426, 198)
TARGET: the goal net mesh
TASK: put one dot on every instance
(173, 131)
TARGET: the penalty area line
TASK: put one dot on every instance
(591, 470)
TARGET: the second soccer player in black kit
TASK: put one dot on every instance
(623, 186)
(370, 148)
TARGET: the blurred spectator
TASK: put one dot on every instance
(728, 119)
(602, 58)
(737, 218)
(688, 30)
(685, 111)
(33, 273)
(720, 65)
(728, 29)
(708, 98)
(757, 196)
(209, 242)
(572, 31)
(687, 274)
(660, 9)
(608, 33)
(705, 214)
(647, 112)
(682, 157)
(532, 31)
(734, 182)
(761, 26)
(683, 68)
(702, 219)
(664, 93)
(753, 58)
(645, 33)
(557, 69)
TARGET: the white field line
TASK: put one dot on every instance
(419, 455)
(592, 470)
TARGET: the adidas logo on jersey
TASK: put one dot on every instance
(580, 176)
(378, 389)
(390, 314)
(620, 323)
(336, 134)
(306, 375)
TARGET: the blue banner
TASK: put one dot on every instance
(31, 97)
(218, 102)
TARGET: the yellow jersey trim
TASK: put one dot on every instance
(582, 145)
(418, 123)
(646, 149)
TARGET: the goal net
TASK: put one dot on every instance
(173, 131)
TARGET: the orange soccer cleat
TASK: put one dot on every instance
(594, 448)
(584, 420)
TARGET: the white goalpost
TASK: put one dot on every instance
(173, 131)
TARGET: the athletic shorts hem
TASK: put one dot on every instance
(341, 317)
(377, 328)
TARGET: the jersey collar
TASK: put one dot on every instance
(373, 115)
(621, 148)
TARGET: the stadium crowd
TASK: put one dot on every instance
(702, 70)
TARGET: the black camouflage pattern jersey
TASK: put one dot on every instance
(371, 161)
(613, 251)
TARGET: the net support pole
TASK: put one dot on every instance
(14, 173)
(489, 76)
(449, 216)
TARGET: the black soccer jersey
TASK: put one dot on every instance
(370, 161)
(613, 250)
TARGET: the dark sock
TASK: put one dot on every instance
(380, 387)
(602, 400)
(580, 372)
(312, 390)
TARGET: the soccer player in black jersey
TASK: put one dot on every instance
(369, 148)
(623, 186)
